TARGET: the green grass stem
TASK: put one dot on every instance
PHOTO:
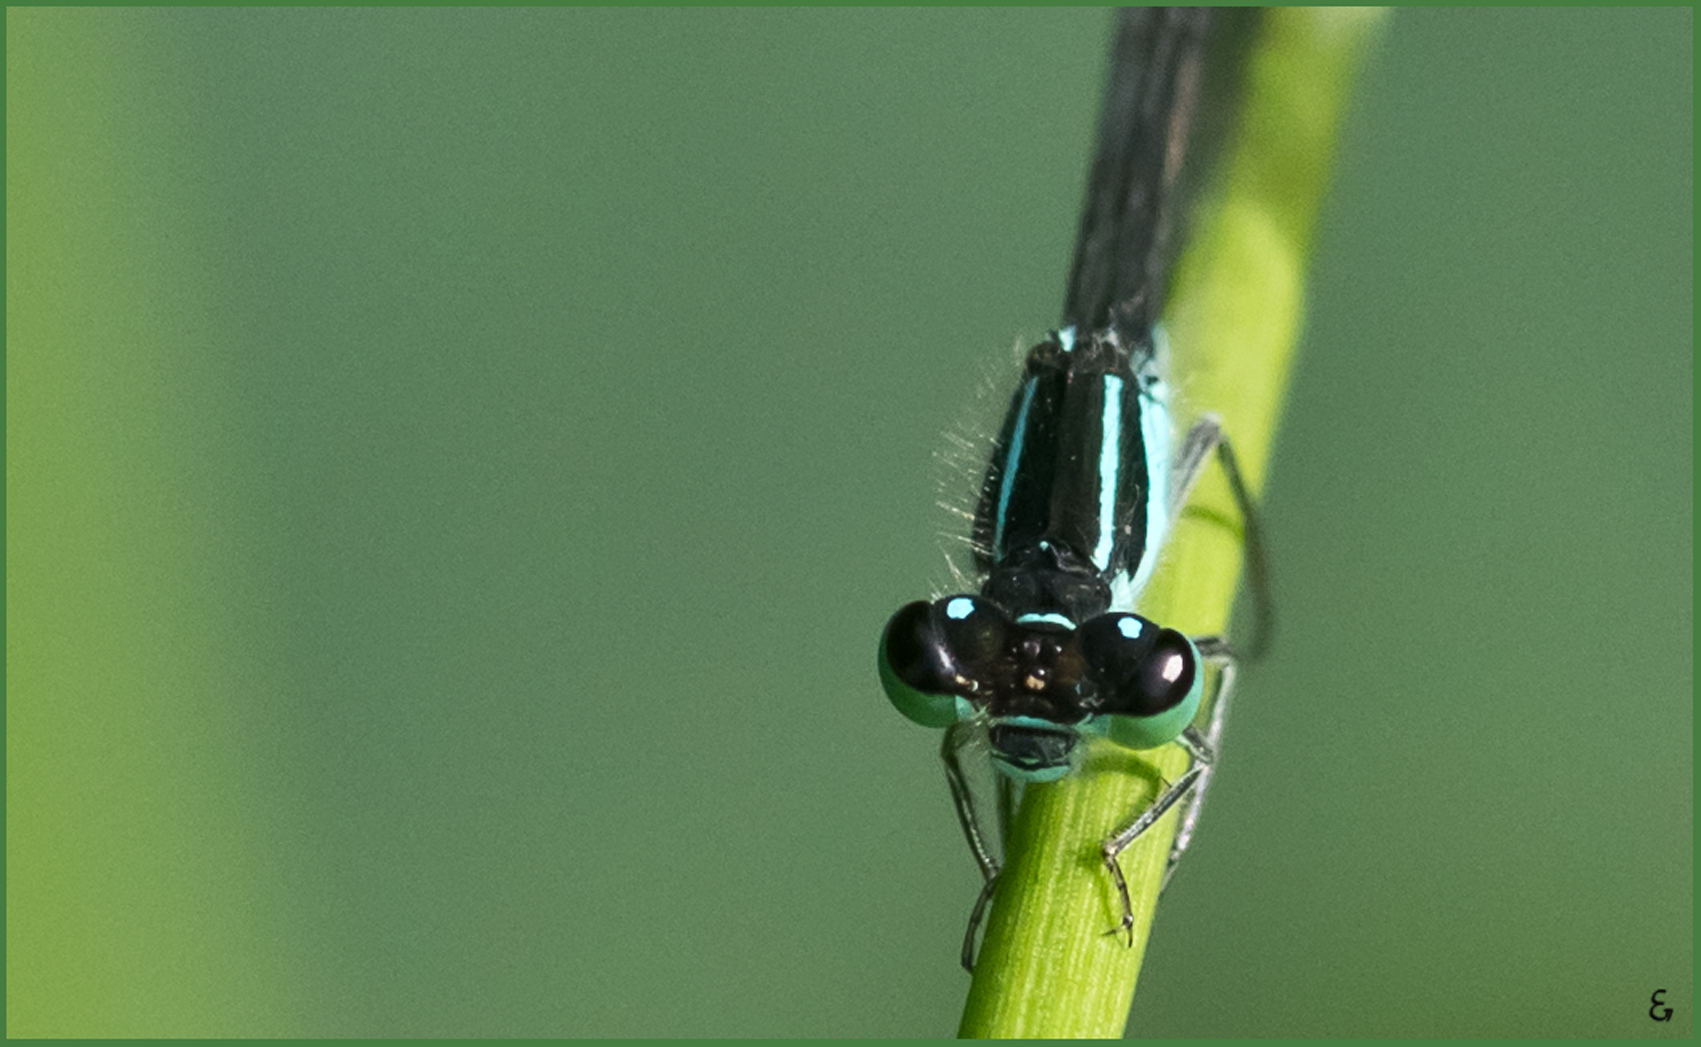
(1047, 967)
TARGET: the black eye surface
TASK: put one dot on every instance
(912, 649)
(936, 647)
(933, 654)
(973, 631)
(1141, 668)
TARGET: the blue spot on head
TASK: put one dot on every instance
(1131, 628)
(1054, 619)
(959, 608)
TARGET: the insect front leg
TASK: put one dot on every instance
(1197, 747)
(1215, 650)
(957, 736)
(1188, 791)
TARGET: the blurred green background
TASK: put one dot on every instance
(459, 463)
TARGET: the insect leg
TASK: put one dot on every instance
(956, 737)
(1200, 750)
(1216, 651)
(1206, 436)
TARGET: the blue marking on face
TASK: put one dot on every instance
(959, 608)
(1066, 339)
(1110, 464)
(1130, 627)
(1027, 776)
(1055, 619)
(1035, 722)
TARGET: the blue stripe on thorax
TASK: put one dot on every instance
(1110, 466)
(1157, 436)
(1012, 459)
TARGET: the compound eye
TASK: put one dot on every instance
(1148, 677)
(929, 654)
(974, 633)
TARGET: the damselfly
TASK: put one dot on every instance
(1085, 480)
